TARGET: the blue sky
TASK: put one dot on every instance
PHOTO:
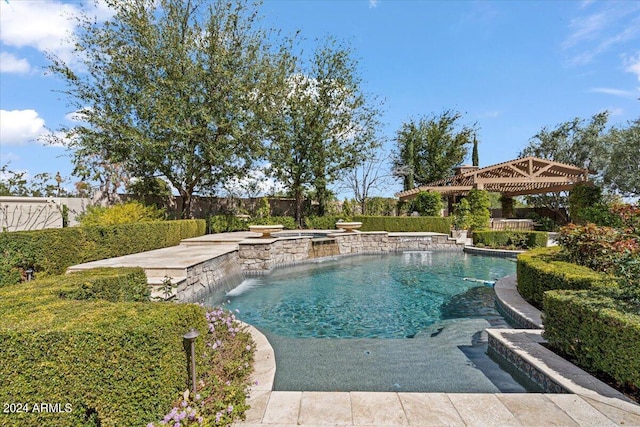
(511, 67)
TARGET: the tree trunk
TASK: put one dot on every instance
(186, 205)
(299, 201)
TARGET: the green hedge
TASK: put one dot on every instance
(110, 284)
(229, 223)
(288, 222)
(596, 332)
(518, 239)
(541, 270)
(51, 251)
(433, 224)
(112, 363)
(327, 222)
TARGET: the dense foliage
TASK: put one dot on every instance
(123, 213)
(621, 174)
(52, 251)
(405, 224)
(324, 125)
(80, 341)
(430, 148)
(612, 250)
(543, 269)
(427, 203)
(173, 89)
(589, 290)
(510, 239)
(228, 223)
(327, 222)
(472, 212)
(575, 142)
(597, 332)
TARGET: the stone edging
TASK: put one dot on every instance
(503, 253)
(523, 349)
(514, 307)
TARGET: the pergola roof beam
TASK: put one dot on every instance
(528, 175)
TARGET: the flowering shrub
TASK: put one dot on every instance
(223, 378)
(607, 249)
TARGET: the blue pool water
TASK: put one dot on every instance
(405, 322)
(387, 296)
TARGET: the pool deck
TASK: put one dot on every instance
(586, 407)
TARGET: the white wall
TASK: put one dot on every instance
(37, 213)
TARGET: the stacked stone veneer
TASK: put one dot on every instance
(259, 256)
(202, 278)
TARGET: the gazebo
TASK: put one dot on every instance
(527, 175)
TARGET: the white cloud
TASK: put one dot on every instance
(9, 63)
(615, 23)
(373, 4)
(45, 25)
(42, 25)
(615, 92)
(18, 127)
(633, 65)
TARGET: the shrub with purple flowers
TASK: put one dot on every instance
(223, 376)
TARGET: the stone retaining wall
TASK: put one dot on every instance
(221, 271)
(262, 255)
(259, 256)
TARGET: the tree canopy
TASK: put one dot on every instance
(622, 173)
(430, 148)
(172, 88)
(325, 125)
(576, 142)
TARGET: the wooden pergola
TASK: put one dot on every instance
(528, 175)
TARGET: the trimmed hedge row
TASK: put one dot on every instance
(52, 251)
(434, 224)
(518, 239)
(540, 270)
(228, 223)
(595, 331)
(327, 222)
(110, 284)
(106, 363)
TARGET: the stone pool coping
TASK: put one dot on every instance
(524, 349)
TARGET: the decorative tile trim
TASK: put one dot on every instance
(502, 253)
(500, 350)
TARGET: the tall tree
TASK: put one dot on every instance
(429, 149)
(475, 159)
(325, 125)
(622, 174)
(368, 175)
(577, 142)
(171, 88)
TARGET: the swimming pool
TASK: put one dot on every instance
(406, 322)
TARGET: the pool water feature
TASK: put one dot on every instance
(405, 322)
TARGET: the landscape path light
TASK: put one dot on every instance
(190, 338)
